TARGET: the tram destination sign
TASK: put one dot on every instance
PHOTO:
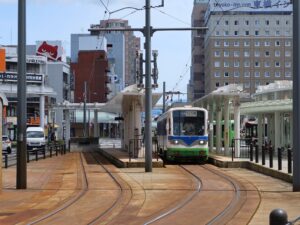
(13, 77)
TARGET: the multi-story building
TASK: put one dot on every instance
(39, 91)
(248, 42)
(91, 69)
(132, 44)
(196, 86)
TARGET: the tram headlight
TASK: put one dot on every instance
(176, 142)
(202, 142)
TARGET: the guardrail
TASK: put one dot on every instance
(57, 147)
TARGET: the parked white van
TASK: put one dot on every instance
(35, 137)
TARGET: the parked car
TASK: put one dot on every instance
(6, 144)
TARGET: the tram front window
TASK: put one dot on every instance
(188, 123)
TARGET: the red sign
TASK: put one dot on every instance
(52, 52)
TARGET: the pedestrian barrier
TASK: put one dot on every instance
(58, 147)
(280, 217)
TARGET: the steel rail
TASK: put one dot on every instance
(182, 204)
(71, 201)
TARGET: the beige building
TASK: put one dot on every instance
(248, 42)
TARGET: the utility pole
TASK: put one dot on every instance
(21, 182)
(164, 97)
(296, 96)
(147, 32)
(148, 92)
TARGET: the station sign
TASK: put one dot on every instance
(13, 77)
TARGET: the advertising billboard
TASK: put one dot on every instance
(250, 6)
(53, 50)
(2, 60)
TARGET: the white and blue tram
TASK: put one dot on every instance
(182, 133)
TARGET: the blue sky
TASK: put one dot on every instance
(58, 19)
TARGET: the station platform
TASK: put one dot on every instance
(52, 181)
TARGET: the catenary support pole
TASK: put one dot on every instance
(164, 97)
(21, 178)
(148, 91)
(84, 111)
(296, 97)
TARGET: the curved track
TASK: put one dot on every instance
(220, 200)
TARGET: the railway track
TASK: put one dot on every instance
(219, 200)
(120, 192)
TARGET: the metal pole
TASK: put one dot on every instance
(296, 97)
(84, 112)
(21, 182)
(164, 97)
(148, 92)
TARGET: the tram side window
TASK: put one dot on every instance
(161, 127)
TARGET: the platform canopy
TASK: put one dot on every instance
(218, 97)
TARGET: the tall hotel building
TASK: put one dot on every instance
(248, 42)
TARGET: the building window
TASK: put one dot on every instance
(226, 53)
(236, 73)
(287, 43)
(217, 74)
(288, 74)
(267, 43)
(236, 43)
(226, 33)
(277, 33)
(277, 43)
(217, 33)
(277, 73)
(226, 83)
(236, 33)
(257, 74)
(287, 33)
(226, 74)
(226, 43)
(267, 32)
(267, 22)
(247, 85)
(246, 53)
(247, 74)
(217, 54)
(257, 83)
(267, 74)
(288, 64)
(277, 22)
(287, 22)
(217, 43)
(256, 32)
(247, 64)
(236, 22)
(267, 53)
(246, 43)
(217, 84)
(236, 54)
(236, 64)
(247, 22)
(277, 53)
(257, 64)
(226, 22)
(256, 43)
(287, 53)
(256, 22)
(257, 53)
(247, 33)
(267, 64)
(226, 64)
(217, 64)
(277, 64)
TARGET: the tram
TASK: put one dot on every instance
(182, 134)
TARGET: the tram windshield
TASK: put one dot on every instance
(188, 122)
